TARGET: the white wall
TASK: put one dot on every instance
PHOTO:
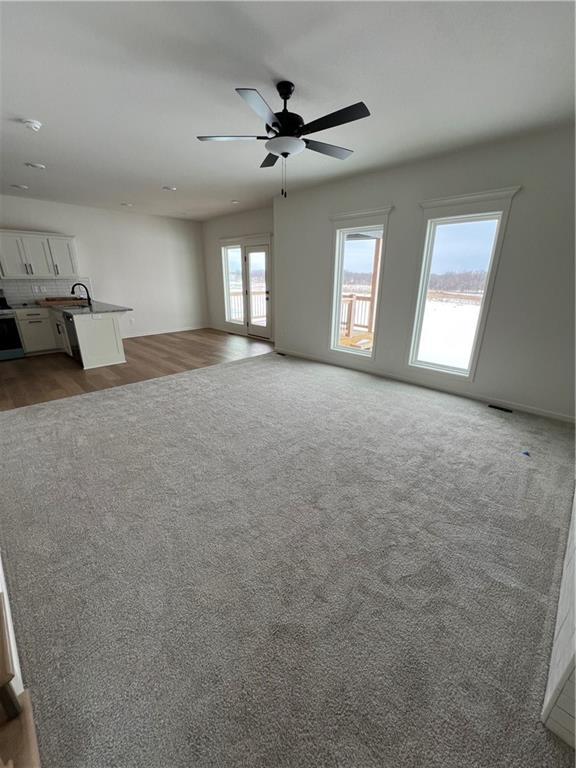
(151, 263)
(255, 222)
(527, 354)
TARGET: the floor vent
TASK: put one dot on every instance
(501, 408)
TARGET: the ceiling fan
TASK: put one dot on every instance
(284, 129)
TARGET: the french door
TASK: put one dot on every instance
(246, 270)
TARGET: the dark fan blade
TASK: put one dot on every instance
(232, 138)
(258, 105)
(269, 160)
(328, 149)
(346, 115)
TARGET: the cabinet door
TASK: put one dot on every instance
(37, 256)
(12, 262)
(37, 335)
(63, 256)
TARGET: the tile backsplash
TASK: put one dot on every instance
(25, 291)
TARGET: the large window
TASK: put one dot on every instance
(358, 262)
(458, 258)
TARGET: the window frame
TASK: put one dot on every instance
(480, 206)
(344, 224)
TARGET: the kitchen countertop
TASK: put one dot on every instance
(97, 308)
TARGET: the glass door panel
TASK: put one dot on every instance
(258, 291)
(233, 284)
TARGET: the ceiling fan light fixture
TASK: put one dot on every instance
(285, 146)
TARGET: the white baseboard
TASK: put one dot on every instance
(478, 397)
(167, 330)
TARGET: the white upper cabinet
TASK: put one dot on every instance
(35, 255)
(12, 262)
(63, 256)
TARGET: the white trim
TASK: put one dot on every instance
(506, 193)
(435, 387)
(35, 233)
(179, 329)
(361, 220)
(372, 214)
(264, 238)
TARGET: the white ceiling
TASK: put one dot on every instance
(124, 88)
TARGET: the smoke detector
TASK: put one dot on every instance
(33, 125)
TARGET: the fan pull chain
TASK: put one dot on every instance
(284, 191)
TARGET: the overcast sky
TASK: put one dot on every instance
(458, 248)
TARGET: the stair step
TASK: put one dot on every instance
(6, 661)
(18, 744)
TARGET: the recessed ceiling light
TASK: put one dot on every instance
(19, 186)
(127, 205)
(40, 166)
(169, 189)
(235, 202)
(33, 125)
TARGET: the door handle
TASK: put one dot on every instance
(26, 268)
(56, 269)
(31, 270)
(30, 322)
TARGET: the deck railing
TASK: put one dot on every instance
(257, 306)
(356, 313)
(356, 310)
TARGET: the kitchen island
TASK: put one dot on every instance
(90, 333)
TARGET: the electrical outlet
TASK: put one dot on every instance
(131, 321)
(35, 289)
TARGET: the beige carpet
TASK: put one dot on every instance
(278, 564)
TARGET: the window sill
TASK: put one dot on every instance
(356, 352)
(462, 374)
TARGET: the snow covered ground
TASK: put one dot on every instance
(448, 333)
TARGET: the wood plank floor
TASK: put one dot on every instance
(40, 378)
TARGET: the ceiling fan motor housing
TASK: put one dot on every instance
(287, 124)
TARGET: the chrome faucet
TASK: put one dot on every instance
(87, 292)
